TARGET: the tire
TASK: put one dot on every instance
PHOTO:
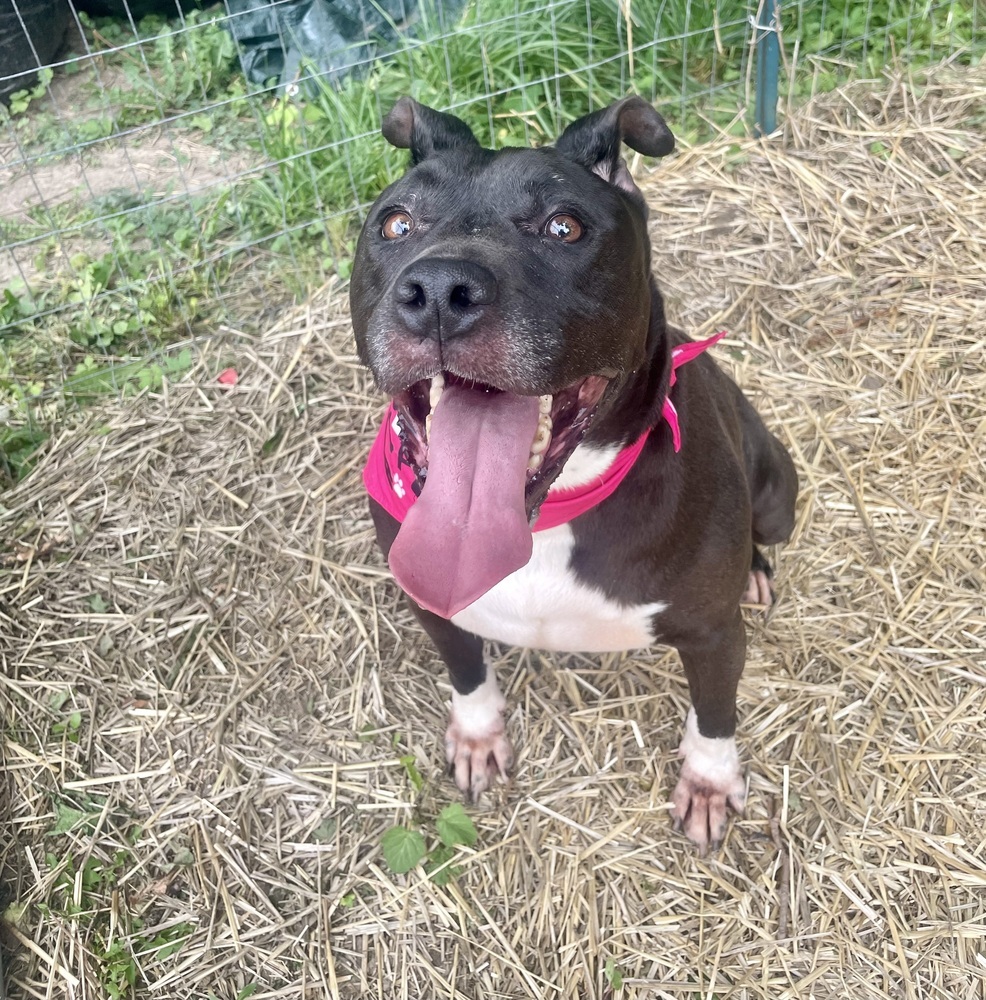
(28, 41)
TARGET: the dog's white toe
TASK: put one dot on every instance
(711, 784)
(476, 744)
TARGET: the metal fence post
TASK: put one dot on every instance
(767, 36)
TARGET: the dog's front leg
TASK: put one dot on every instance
(476, 744)
(711, 780)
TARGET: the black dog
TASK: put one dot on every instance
(505, 301)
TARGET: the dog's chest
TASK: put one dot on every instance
(545, 606)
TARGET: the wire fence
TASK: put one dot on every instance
(167, 171)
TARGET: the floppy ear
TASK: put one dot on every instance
(594, 141)
(424, 130)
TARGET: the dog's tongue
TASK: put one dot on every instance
(468, 529)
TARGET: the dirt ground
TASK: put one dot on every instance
(153, 167)
(147, 162)
(212, 693)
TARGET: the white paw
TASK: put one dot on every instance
(711, 784)
(476, 743)
(758, 590)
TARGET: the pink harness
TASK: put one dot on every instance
(390, 480)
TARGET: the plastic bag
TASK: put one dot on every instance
(337, 37)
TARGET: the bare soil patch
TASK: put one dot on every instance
(156, 166)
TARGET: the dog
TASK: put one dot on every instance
(559, 468)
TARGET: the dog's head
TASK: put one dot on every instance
(512, 285)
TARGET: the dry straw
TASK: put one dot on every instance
(193, 573)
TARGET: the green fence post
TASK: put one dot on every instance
(767, 39)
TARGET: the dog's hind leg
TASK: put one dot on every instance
(773, 485)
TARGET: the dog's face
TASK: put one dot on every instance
(522, 271)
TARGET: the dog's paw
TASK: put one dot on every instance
(476, 744)
(759, 592)
(711, 784)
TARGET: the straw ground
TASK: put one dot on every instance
(209, 681)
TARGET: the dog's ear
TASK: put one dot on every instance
(594, 141)
(424, 130)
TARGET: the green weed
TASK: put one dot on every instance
(69, 726)
(19, 448)
(613, 974)
(17, 306)
(162, 69)
(404, 848)
(152, 284)
(21, 100)
(871, 33)
(83, 892)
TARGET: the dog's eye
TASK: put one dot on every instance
(396, 225)
(564, 227)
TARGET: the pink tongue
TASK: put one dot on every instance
(468, 529)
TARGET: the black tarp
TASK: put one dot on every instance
(336, 37)
(31, 32)
(275, 37)
(137, 8)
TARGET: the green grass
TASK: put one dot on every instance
(124, 279)
(83, 893)
(163, 70)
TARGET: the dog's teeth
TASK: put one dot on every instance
(544, 405)
(534, 462)
(428, 428)
(435, 392)
(541, 439)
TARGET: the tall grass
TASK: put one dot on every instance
(519, 70)
(516, 70)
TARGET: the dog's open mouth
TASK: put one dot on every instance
(486, 457)
(563, 419)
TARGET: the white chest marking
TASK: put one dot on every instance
(544, 606)
(585, 464)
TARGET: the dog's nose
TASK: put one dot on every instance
(442, 298)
